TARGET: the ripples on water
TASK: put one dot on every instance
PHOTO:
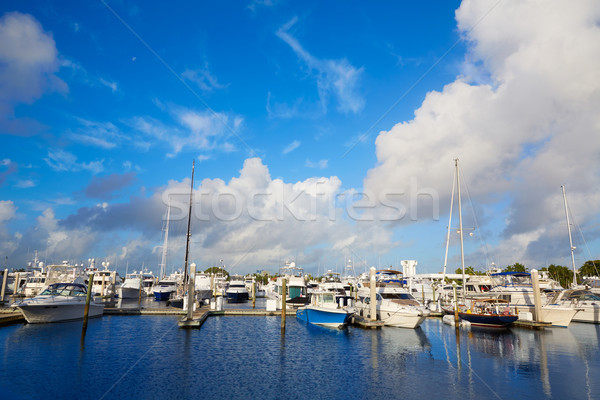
(149, 357)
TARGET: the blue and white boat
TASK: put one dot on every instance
(324, 311)
(164, 288)
(237, 292)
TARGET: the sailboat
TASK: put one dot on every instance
(483, 312)
(165, 286)
(179, 299)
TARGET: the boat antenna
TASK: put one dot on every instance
(189, 232)
(570, 239)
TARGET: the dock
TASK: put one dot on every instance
(366, 324)
(521, 323)
(11, 318)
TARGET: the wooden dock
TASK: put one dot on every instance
(365, 324)
(11, 318)
(520, 323)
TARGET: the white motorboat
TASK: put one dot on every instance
(202, 286)
(395, 306)
(59, 302)
(517, 289)
(163, 289)
(134, 282)
(296, 291)
(323, 310)
(586, 301)
(237, 292)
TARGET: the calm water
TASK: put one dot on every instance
(149, 357)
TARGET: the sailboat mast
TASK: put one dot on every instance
(449, 228)
(163, 262)
(570, 239)
(460, 227)
(189, 232)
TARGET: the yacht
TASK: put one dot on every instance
(395, 306)
(59, 302)
(586, 301)
(164, 288)
(105, 283)
(517, 289)
(237, 292)
(202, 286)
(296, 293)
(136, 282)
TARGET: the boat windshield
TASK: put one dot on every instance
(397, 296)
(584, 295)
(65, 289)
(327, 298)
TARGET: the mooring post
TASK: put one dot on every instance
(283, 301)
(373, 291)
(253, 293)
(455, 304)
(537, 301)
(103, 285)
(88, 297)
(4, 282)
(140, 292)
(191, 290)
(17, 280)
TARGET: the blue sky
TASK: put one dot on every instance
(312, 125)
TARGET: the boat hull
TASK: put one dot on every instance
(488, 320)
(332, 318)
(45, 313)
(162, 295)
(130, 293)
(237, 296)
(589, 314)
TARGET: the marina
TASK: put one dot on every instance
(124, 355)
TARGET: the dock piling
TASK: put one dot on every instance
(283, 300)
(537, 301)
(4, 282)
(88, 297)
(373, 300)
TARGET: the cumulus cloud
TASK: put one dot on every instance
(28, 63)
(8, 211)
(335, 78)
(251, 221)
(530, 125)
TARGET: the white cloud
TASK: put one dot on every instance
(336, 78)
(24, 184)
(203, 78)
(99, 134)
(251, 221)
(192, 129)
(322, 164)
(28, 63)
(113, 86)
(61, 160)
(525, 130)
(8, 211)
(291, 147)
